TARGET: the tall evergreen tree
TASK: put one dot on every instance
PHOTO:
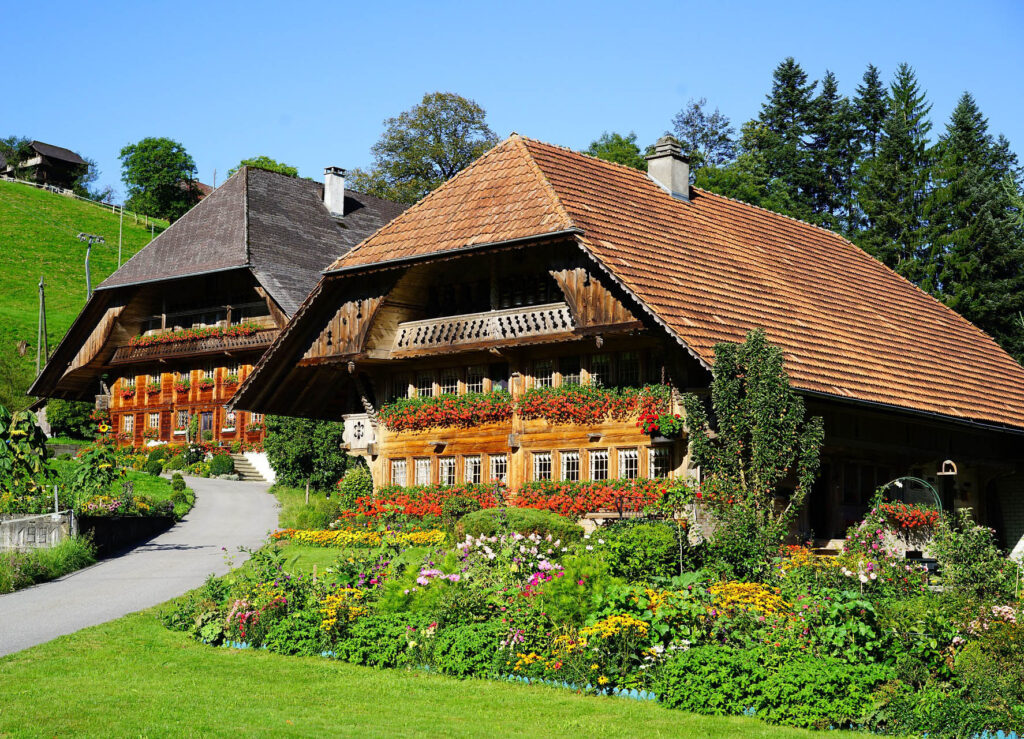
(893, 184)
(977, 251)
(787, 116)
(834, 147)
(871, 106)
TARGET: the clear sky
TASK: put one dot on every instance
(310, 83)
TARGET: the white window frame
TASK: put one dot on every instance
(475, 376)
(128, 423)
(399, 472)
(499, 467)
(541, 466)
(543, 373)
(446, 471)
(569, 460)
(472, 469)
(598, 455)
(150, 418)
(421, 471)
(448, 383)
(629, 461)
(229, 421)
(425, 378)
(208, 373)
(256, 418)
(654, 454)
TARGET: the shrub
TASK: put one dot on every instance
(494, 521)
(301, 449)
(356, 483)
(70, 418)
(221, 464)
(969, 559)
(154, 467)
(379, 640)
(207, 435)
(469, 650)
(177, 481)
(642, 551)
(177, 462)
(936, 712)
(579, 592)
(193, 453)
(297, 633)
(454, 508)
(157, 453)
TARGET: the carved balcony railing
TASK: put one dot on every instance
(498, 326)
(195, 347)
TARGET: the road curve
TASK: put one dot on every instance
(226, 514)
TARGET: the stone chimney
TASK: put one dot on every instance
(334, 191)
(669, 168)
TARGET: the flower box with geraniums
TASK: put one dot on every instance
(153, 388)
(206, 383)
(446, 411)
(149, 433)
(590, 405)
(255, 428)
(230, 380)
(662, 426)
(182, 385)
(194, 334)
(127, 392)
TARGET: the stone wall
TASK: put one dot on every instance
(37, 531)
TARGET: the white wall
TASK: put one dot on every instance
(262, 465)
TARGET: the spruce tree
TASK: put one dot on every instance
(893, 184)
(976, 260)
(833, 147)
(870, 106)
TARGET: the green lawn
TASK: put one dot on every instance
(132, 677)
(38, 236)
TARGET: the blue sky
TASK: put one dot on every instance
(310, 83)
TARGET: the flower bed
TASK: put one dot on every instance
(192, 334)
(580, 498)
(458, 411)
(355, 539)
(587, 404)
(424, 500)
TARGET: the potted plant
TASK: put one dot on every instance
(153, 388)
(182, 385)
(230, 380)
(206, 383)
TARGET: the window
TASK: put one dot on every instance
(658, 462)
(600, 370)
(208, 373)
(398, 476)
(256, 417)
(424, 385)
(543, 373)
(570, 370)
(128, 424)
(182, 420)
(154, 379)
(128, 383)
(153, 421)
(570, 466)
(449, 382)
(499, 376)
(472, 469)
(446, 471)
(542, 466)
(629, 369)
(475, 379)
(229, 419)
(599, 464)
(629, 464)
(399, 387)
(422, 471)
(499, 467)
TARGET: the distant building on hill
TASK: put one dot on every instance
(48, 165)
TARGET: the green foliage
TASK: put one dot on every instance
(301, 449)
(581, 590)
(21, 569)
(177, 462)
(159, 176)
(265, 162)
(378, 640)
(97, 470)
(357, 483)
(614, 147)
(154, 467)
(762, 439)
(707, 138)
(221, 464)
(425, 146)
(469, 650)
(640, 552)
(936, 712)
(157, 453)
(496, 521)
(454, 508)
(70, 418)
(969, 558)
(298, 633)
(25, 468)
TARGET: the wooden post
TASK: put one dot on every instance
(307, 491)
(120, 231)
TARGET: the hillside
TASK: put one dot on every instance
(38, 236)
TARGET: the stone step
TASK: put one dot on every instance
(245, 470)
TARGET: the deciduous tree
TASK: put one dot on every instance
(614, 147)
(707, 138)
(160, 178)
(264, 162)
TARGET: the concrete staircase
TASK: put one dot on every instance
(245, 470)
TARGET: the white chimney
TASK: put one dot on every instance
(334, 191)
(669, 168)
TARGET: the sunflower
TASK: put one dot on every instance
(104, 428)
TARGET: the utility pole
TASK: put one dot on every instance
(120, 230)
(42, 344)
(89, 239)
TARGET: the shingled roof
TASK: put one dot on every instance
(712, 268)
(273, 224)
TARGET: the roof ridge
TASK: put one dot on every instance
(549, 189)
(588, 156)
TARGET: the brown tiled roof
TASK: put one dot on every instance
(713, 268)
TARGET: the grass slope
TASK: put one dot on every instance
(132, 677)
(38, 236)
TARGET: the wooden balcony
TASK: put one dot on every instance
(472, 330)
(196, 347)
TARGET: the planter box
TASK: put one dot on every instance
(111, 534)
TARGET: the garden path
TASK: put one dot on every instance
(226, 514)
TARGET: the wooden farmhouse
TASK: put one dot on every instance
(173, 332)
(49, 165)
(539, 267)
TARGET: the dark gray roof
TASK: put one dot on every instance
(275, 225)
(57, 152)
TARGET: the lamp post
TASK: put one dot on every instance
(89, 239)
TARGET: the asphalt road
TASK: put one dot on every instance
(226, 514)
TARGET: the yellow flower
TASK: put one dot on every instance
(602, 680)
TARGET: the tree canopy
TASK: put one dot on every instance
(160, 178)
(425, 146)
(708, 139)
(614, 147)
(264, 162)
(302, 449)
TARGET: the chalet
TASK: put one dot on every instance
(174, 331)
(541, 267)
(48, 165)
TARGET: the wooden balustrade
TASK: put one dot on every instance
(496, 326)
(210, 345)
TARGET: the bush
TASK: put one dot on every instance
(573, 597)
(193, 453)
(221, 464)
(640, 552)
(301, 449)
(177, 462)
(469, 650)
(70, 418)
(356, 484)
(154, 467)
(969, 559)
(455, 508)
(297, 633)
(379, 640)
(493, 521)
(319, 514)
(791, 689)
(177, 481)
(157, 453)
(936, 712)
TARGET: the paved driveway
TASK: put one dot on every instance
(226, 514)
